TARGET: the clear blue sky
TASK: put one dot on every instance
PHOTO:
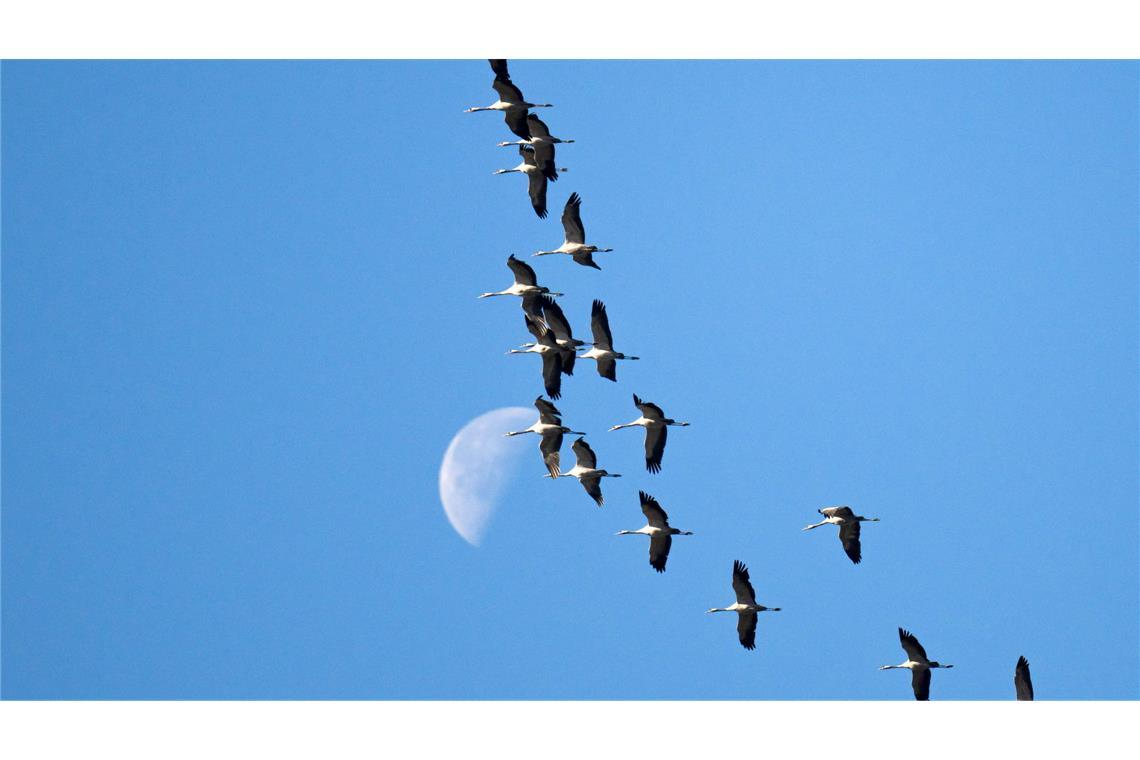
(240, 328)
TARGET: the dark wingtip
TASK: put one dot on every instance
(653, 466)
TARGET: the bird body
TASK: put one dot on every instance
(574, 242)
(656, 424)
(586, 470)
(849, 530)
(917, 663)
(525, 284)
(659, 531)
(745, 606)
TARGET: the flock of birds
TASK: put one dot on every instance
(555, 343)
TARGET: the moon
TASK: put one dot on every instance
(478, 463)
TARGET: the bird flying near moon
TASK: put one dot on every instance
(478, 463)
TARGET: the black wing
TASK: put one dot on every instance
(607, 368)
(911, 646)
(515, 119)
(537, 126)
(556, 318)
(568, 359)
(655, 447)
(536, 328)
(550, 445)
(532, 306)
(659, 546)
(651, 508)
(586, 260)
(600, 326)
(499, 66)
(552, 373)
(508, 93)
(920, 682)
(741, 585)
(584, 454)
(545, 407)
(572, 220)
(544, 160)
(1022, 682)
(849, 537)
(537, 191)
(524, 275)
(651, 411)
(593, 487)
(746, 629)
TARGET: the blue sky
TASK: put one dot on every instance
(240, 329)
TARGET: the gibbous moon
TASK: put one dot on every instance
(479, 462)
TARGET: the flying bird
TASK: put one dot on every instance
(511, 101)
(587, 472)
(525, 284)
(548, 417)
(603, 349)
(658, 530)
(745, 605)
(1022, 682)
(535, 177)
(655, 423)
(574, 234)
(550, 429)
(551, 354)
(918, 665)
(848, 523)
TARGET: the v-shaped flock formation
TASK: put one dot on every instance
(555, 343)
